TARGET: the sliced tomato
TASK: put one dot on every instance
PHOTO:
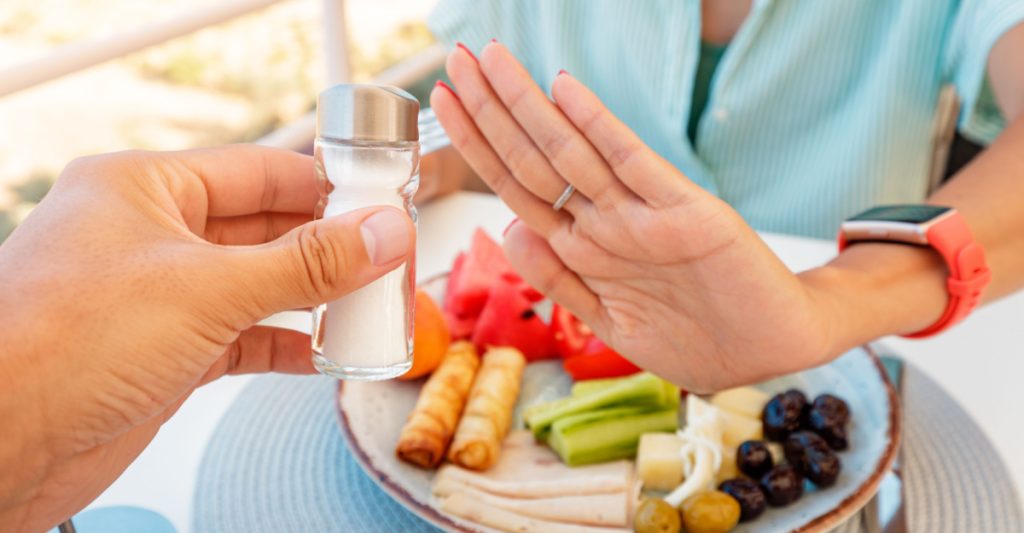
(569, 333)
(598, 361)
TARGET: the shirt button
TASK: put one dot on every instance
(720, 114)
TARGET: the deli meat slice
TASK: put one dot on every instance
(469, 508)
(610, 509)
(530, 489)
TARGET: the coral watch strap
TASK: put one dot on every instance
(968, 271)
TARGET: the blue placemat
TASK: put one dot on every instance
(278, 462)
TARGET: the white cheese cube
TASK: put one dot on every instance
(746, 401)
(659, 462)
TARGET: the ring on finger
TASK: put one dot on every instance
(564, 197)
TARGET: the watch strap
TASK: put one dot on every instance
(968, 271)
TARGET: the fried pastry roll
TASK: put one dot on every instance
(488, 414)
(429, 428)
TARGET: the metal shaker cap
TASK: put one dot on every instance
(360, 112)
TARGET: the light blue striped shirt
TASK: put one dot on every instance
(818, 109)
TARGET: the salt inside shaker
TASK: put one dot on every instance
(367, 154)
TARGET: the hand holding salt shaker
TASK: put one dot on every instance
(367, 154)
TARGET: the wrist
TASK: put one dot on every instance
(871, 290)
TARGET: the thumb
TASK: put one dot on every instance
(321, 261)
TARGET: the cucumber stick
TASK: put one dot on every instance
(607, 434)
(642, 389)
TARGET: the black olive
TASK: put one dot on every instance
(782, 485)
(784, 414)
(749, 495)
(753, 458)
(811, 456)
(833, 406)
(829, 428)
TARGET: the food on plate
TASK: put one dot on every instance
(659, 463)
(727, 469)
(710, 512)
(473, 274)
(737, 429)
(591, 509)
(429, 428)
(487, 302)
(488, 413)
(811, 456)
(828, 417)
(782, 485)
(784, 414)
(655, 516)
(642, 390)
(598, 361)
(569, 333)
(702, 450)
(744, 401)
(605, 422)
(508, 319)
(754, 459)
(777, 451)
(431, 337)
(529, 489)
(586, 357)
(469, 508)
(748, 495)
(607, 434)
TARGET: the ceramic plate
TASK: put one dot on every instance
(371, 415)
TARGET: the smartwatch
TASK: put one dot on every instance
(942, 229)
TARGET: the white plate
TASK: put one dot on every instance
(371, 415)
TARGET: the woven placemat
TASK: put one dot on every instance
(277, 462)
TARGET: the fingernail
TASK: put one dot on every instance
(509, 227)
(385, 236)
(446, 87)
(462, 46)
(493, 40)
(563, 71)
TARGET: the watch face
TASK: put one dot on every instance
(913, 214)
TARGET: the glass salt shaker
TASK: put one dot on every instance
(367, 154)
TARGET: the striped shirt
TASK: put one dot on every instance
(817, 110)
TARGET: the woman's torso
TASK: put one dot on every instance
(817, 110)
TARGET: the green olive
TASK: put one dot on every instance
(656, 516)
(710, 512)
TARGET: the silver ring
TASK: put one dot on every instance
(561, 201)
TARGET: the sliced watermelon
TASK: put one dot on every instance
(508, 319)
(461, 327)
(481, 269)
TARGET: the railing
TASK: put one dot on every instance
(74, 57)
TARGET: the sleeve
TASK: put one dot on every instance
(475, 22)
(976, 28)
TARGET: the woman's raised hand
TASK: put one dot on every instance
(663, 271)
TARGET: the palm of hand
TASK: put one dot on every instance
(664, 272)
(690, 291)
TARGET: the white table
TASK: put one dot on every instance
(979, 362)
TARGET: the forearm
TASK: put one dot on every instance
(874, 290)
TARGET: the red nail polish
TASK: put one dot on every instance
(462, 46)
(510, 224)
(563, 71)
(447, 88)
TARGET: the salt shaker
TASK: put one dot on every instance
(367, 154)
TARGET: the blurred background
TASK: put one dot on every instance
(79, 77)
